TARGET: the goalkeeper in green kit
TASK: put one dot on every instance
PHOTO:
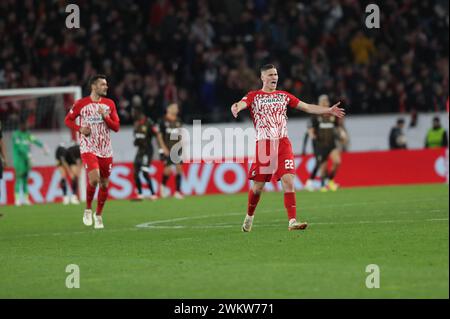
(22, 140)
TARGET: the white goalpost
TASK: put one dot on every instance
(52, 90)
(44, 109)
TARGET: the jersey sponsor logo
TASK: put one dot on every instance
(94, 119)
(326, 125)
(172, 130)
(271, 100)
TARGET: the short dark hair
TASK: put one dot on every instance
(400, 121)
(266, 67)
(94, 78)
(436, 119)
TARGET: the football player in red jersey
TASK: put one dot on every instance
(98, 115)
(274, 157)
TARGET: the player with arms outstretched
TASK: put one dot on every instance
(274, 157)
(98, 115)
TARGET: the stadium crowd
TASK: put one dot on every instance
(205, 54)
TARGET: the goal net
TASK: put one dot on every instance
(44, 110)
(41, 108)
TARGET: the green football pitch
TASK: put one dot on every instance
(194, 248)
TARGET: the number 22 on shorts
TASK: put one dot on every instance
(289, 164)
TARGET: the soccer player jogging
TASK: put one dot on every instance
(144, 131)
(22, 140)
(169, 135)
(274, 156)
(68, 162)
(98, 116)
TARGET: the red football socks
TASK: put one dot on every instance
(102, 196)
(90, 192)
(290, 204)
(253, 200)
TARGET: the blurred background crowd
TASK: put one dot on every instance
(205, 55)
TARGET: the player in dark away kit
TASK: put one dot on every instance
(326, 135)
(169, 137)
(144, 131)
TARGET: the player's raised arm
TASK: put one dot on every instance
(237, 107)
(317, 109)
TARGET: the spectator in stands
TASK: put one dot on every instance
(362, 48)
(397, 139)
(436, 136)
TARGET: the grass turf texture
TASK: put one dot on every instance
(200, 252)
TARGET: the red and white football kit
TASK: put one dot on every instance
(274, 156)
(96, 149)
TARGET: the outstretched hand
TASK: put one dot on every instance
(337, 111)
(235, 110)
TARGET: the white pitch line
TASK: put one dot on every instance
(153, 224)
(144, 225)
(222, 225)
